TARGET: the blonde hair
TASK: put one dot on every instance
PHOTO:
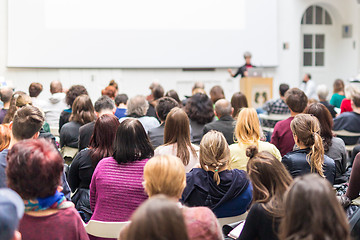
(164, 174)
(214, 153)
(247, 128)
(307, 129)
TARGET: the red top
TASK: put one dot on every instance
(346, 105)
(65, 224)
(282, 136)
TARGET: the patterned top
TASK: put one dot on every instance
(277, 106)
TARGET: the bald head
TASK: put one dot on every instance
(55, 87)
(6, 94)
(223, 108)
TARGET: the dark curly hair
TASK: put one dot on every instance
(74, 92)
(199, 108)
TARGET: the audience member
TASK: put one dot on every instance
(282, 136)
(12, 210)
(350, 121)
(226, 192)
(308, 86)
(322, 93)
(55, 104)
(34, 91)
(354, 182)
(157, 92)
(71, 95)
(346, 105)
(164, 106)
(198, 87)
(104, 105)
(121, 102)
(5, 136)
(173, 94)
(115, 85)
(200, 112)
(34, 171)
(116, 188)
(338, 93)
(310, 155)
(82, 113)
(109, 91)
(334, 147)
(313, 212)
(5, 96)
(177, 139)
(225, 124)
(18, 100)
(165, 174)
(216, 93)
(238, 101)
(247, 133)
(136, 108)
(150, 97)
(157, 218)
(270, 180)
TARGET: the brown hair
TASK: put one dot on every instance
(5, 136)
(313, 212)
(214, 153)
(27, 122)
(35, 89)
(356, 99)
(164, 174)
(247, 128)
(216, 93)
(307, 130)
(82, 110)
(269, 178)
(296, 100)
(238, 101)
(109, 91)
(177, 131)
(18, 99)
(338, 86)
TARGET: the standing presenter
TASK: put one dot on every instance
(243, 69)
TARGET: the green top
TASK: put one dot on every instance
(336, 100)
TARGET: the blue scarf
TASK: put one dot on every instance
(56, 201)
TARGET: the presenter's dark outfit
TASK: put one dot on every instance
(243, 69)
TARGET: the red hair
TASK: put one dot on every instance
(109, 91)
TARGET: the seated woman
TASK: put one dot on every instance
(270, 180)
(353, 190)
(310, 157)
(34, 171)
(339, 93)
(313, 212)
(334, 147)
(85, 162)
(247, 132)
(226, 192)
(116, 188)
(238, 101)
(82, 112)
(177, 139)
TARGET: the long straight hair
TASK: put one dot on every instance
(177, 131)
(82, 110)
(247, 128)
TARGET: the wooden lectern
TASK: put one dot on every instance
(257, 90)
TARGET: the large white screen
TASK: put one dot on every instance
(141, 33)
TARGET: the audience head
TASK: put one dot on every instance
(35, 89)
(322, 92)
(13, 106)
(165, 174)
(114, 84)
(104, 105)
(307, 77)
(350, 90)
(270, 179)
(34, 169)
(82, 110)
(199, 108)
(121, 99)
(214, 153)
(137, 106)
(216, 93)
(6, 94)
(283, 89)
(173, 94)
(223, 108)
(109, 91)
(247, 128)
(158, 218)
(27, 123)
(23, 100)
(312, 211)
(158, 92)
(73, 93)
(296, 100)
(164, 106)
(5, 136)
(247, 57)
(238, 101)
(338, 86)
(355, 100)
(325, 120)
(12, 210)
(102, 140)
(56, 87)
(198, 86)
(306, 131)
(131, 142)
(153, 85)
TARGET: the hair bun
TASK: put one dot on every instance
(251, 151)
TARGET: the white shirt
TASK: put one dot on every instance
(309, 88)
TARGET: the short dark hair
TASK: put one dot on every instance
(35, 89)
(27, 122)
(82, 110)
(356, 99)
(199, 108)
(34, 168)
(164, 106)
(158, 92)
(104, 102)
(131, 142)
(121, 98)
(173, 94)
(296, 100)
(283, 88)
(6, 94)
(74, 92)
(308, 75)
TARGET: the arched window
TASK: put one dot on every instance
(316, 15)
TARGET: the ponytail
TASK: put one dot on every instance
(316, 155)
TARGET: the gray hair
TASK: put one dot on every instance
(223, 107)
(104, 103)
(350, 91)
(137, 106)
(247, 55)
(322, 92)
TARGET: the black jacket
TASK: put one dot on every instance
(297, 164)
(225, 125)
